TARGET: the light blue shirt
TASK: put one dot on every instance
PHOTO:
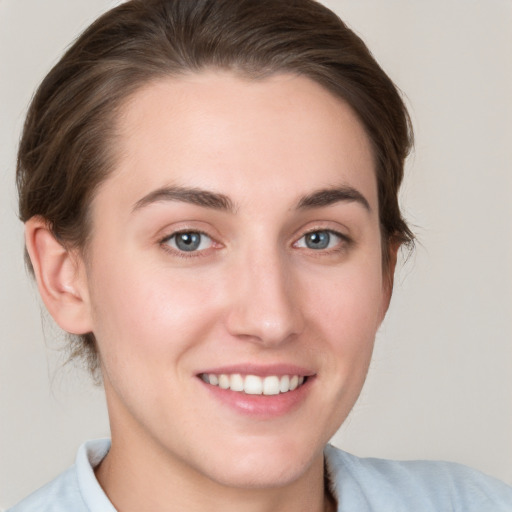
(360, 485)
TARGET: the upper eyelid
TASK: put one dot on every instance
(329, 230)
(334, 225)
(336, 232)
(187, 226)
(181, 231)
(299, 234)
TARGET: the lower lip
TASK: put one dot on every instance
(263, 406)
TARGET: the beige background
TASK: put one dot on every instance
(440, 386)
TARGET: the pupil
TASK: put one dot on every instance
(318, 240)
(188, 241)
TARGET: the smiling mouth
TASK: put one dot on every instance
(253, 384)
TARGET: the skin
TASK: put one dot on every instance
(253, 293)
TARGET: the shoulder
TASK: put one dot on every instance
(375, 485)
(74, 490)
(61, 494)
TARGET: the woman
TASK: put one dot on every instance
(210, 197)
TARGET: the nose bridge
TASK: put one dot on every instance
(265, 306)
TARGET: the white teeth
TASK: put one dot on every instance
(284, 384)
(254, 385)
(236, 382)
(223, 381)
(271, 385)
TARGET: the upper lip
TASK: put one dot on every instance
(278, 369)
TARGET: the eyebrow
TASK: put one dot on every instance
(195, 196)
(218, 201)
(330, 196)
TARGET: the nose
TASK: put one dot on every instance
(265, 302)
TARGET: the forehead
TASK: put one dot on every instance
(215, 130)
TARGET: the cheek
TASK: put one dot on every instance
(344, 317)
(349, 304)
(150, 313)
(345, 314)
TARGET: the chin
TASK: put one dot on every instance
(263, 464)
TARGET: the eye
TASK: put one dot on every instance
(319, 240)
(189, 241)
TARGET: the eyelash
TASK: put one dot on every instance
(164, 243)
(344, 242)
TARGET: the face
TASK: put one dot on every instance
(234, 275)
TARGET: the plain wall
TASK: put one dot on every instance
(440, 385)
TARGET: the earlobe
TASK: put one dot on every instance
(60, 278)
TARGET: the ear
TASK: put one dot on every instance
(60, 277)
(388, 276)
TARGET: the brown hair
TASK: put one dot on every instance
(67, 147)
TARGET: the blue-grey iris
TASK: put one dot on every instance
(318, 240)
(188, 241)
